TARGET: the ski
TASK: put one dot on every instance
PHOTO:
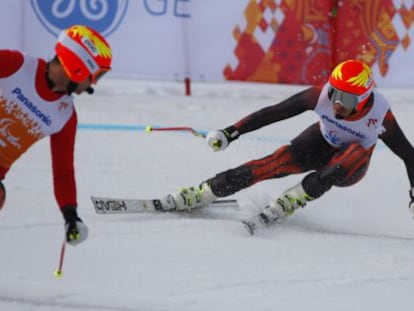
(104, 205)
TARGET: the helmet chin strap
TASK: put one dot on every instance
(49, 81)
(72, 87)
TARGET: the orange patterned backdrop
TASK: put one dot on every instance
(300, 41)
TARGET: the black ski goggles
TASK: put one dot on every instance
(348, 100)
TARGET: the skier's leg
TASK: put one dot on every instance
(346, 168)
(226, 183)
(306, 152)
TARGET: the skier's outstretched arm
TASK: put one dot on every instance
(292, 106)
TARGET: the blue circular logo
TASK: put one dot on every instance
(102, 15)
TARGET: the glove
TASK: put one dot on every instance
(220, 139)
(411, 205)
(76, 230)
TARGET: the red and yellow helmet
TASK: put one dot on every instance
(351, 84)
(83, 53)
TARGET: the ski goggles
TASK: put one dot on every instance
(348, 100)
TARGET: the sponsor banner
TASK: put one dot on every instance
(276, 41)
(380, 33)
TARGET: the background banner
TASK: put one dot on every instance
(276, 41)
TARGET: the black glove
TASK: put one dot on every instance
(76, 230)
(411, 205)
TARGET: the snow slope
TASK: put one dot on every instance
(353, 249)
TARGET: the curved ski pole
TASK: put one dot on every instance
(150, 129)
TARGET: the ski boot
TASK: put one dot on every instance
(285, 205)
(189, 198)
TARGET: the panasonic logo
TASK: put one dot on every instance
(32, 107)
(343, 127)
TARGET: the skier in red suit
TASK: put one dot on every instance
(36, 101)
(334, 151)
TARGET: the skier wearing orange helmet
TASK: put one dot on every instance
(335, 151)
(83, 53)
(351, 84)
(41, 92)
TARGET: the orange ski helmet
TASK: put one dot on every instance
(351, 84)
(83, 53)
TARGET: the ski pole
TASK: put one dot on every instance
(58, 271)
(150, 128)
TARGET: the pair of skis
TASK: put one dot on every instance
(105, 205)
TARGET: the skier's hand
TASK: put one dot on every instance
(76, 230)
(219, 140)
(411, 205)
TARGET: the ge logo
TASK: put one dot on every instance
(102, 15)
